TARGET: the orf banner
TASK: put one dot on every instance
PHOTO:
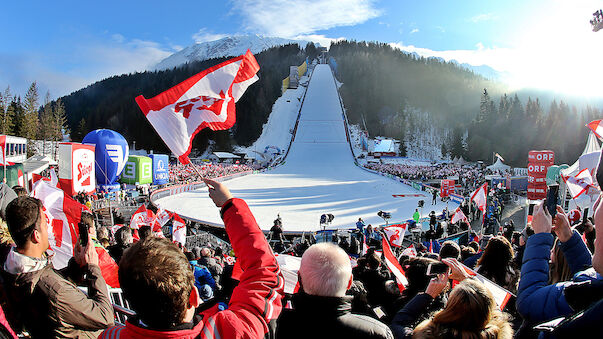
(538, 165)
(76, 168)
(446, 187)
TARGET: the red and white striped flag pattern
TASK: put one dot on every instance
(395, 233)
(62, 214)
(410, 251)
(394, 266)
(597, 127)
(580, 183)
(501, 295)
(161, 218)
(142, 217)
(458, 215)
(179, 230)
(479, 196)
(206, 99)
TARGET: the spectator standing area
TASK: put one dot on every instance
(319, 176)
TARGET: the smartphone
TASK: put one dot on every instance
(552, 199)
(584, 216)
(437, 268)
(83, 229)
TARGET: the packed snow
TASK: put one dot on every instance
(318, 176)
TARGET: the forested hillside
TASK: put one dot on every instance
(383, 88)
(110, 103)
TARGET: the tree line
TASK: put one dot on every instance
(383, 88)
(28, 119)
(110, 103)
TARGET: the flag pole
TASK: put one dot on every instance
(196, 170)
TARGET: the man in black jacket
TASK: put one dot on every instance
(321, 309)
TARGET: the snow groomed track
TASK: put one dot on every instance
(319, 176)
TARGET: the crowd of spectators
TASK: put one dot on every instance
(178, 292)
(469, 176)
(180, 174)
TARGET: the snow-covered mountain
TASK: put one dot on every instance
(229, 46)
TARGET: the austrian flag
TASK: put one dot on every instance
(206, 99)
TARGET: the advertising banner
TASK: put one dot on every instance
(138, 170)
(446, 187)
(76, 168)
(541, 157)
(538, 165)
(161, 173)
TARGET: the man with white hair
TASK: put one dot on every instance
(320, 308)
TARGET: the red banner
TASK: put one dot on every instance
(538, 165)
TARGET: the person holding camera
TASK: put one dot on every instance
(42, 300)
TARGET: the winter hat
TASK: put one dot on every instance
(574, 217)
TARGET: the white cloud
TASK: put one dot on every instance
(68, 70)
(483, 17)
(285, 18)
(547, 55)
(321, 39)
(204, 36)
(414, 30)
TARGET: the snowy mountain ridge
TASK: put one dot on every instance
(228, 46)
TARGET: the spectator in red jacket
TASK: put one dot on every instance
(156, 279)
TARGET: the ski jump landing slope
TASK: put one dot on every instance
(319, 176)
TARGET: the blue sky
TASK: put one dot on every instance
(66, 45)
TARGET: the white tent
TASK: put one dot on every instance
(498, 166)
(591, 151)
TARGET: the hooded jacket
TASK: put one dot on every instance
(48, 305)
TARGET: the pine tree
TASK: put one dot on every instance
(60, 122)
(7, 112)
(46, 120)
(457, 143)
(484, 106)
(81, 130)
(29, 125)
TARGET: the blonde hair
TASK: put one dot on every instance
(470, 313)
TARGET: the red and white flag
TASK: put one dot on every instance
(458, 215)
(161, 218)
(206, 99)
(3, 150)
(580, 183)
(54, 180)
(395, 233)
(479, 196)
(501, 295)
(364, 245)
(179, 230)
(62, 214)
(142, 217)
(394, 266)
(410, 251)
(597, 127)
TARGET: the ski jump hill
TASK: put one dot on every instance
(319, 176)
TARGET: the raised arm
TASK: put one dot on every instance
(257, 299)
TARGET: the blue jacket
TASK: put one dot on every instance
(537, 301)
(202, 276)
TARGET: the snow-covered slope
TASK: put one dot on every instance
(277, 132)
(318, 176)
(229, 46)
